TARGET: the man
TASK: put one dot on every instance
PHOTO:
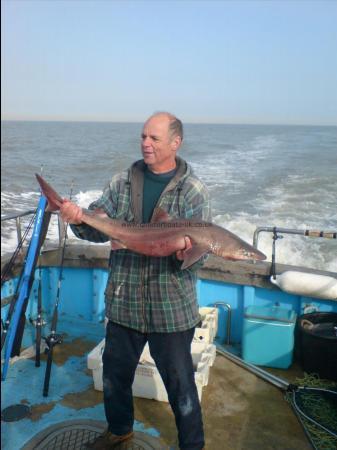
(150, 298)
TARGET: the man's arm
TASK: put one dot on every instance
(106, 205)
(72, 214)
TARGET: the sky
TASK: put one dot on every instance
(205, 61)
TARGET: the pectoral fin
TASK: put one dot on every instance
(193, 255)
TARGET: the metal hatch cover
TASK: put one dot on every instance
(74, 434)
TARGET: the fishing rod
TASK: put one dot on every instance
(22, 322)
(9, 266)
(16, 326)
(53, 339)
(4, 276)
(6, 271)
(6, 323)
(38, 322)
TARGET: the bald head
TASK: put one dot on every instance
(174, 124)
(161, 139)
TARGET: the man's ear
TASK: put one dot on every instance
(176, 143)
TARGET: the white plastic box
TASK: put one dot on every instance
(209, 325)
(94, 363)
(210, 311)
(148, 382)
(197, 348)
(204, 347)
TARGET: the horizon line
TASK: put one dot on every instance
(187, 122)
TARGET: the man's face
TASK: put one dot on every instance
(158, 147)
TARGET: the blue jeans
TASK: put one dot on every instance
(172, 355)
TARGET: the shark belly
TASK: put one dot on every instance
(160, 247)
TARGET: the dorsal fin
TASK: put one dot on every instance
(160, 215)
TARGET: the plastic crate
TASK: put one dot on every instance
(148, 382)
(208, 328)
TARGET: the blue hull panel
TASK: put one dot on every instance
(82, 296)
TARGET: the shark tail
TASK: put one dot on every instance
(54, 200)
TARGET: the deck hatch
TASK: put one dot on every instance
(74, 434)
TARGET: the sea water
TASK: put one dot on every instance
(257, 175)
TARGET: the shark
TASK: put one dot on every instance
(164, 235)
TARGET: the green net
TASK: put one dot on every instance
(316, 406)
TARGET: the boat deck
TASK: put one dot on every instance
(240, 411)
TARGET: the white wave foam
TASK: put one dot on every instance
(83, 199)
(295, 250)
(272, 209)
(26, 201)
(299, 199)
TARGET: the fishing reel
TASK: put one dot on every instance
(38, 322)
(52, 340)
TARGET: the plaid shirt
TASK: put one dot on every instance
(150, 294)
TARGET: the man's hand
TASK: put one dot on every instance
(180, 254)
(70, 212)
